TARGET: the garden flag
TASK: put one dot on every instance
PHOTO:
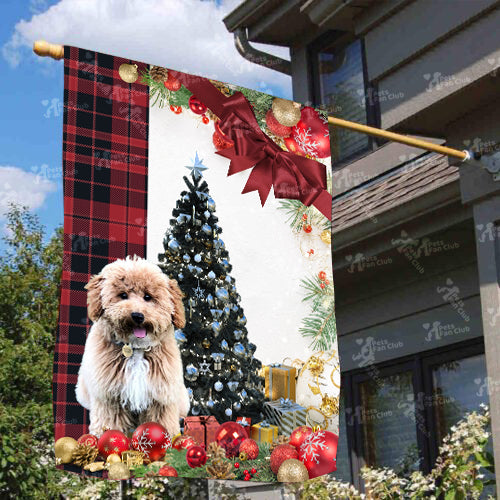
(197, 332)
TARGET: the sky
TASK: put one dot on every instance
(186, 35)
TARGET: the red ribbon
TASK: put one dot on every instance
(291, 176)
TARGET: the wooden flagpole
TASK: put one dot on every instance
(45, 49)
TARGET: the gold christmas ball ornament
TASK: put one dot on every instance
(64, 449)
(292, 471)
(286, 112)
(128, 72)
(113, 459)
(326, 237)
(118, 470)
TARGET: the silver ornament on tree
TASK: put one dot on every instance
(218, 386)
(217, 357)
(222, 294)
(233, 385)
(191, 372)
(173, 245)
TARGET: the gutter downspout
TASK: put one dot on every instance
(257, 56)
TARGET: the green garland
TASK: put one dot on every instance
(161, 96)
(177, 459)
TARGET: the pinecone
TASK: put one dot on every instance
(220, 469)
(215, 452)
(84, 455)
(158, 74)
(278, 441)
(222, 87)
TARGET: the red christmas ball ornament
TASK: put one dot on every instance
(205, 119)
(168, 471)
(171, 83)
(311, 134)
(112, 441)
(250, 447)
(275, 126)
(307, 228)
(196, 456)
(237, 465)
(221, 141)
(183, 442)
(281, 453)
(318, 452)
(246, 478)
(322, 285)
(322, 275)
(152, 439)
(292, 146)
(196, 106)
(176, 109)
(298, 436)
(88, 440)
(229, 436)
(254, 471)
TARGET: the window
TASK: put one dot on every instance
(397, 413)
(339, 85)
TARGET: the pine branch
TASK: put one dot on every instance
(295, 210)
(161, 96)
(320, 327)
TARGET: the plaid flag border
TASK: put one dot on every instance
(105, 168)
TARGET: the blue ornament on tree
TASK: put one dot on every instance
(174, 245)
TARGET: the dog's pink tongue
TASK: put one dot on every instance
(140, 333)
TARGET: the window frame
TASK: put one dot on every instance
(338, 39)
(420, 364)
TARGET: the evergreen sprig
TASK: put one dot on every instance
(295, 211)
(319, 325)
(161, 96)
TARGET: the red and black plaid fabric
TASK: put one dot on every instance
(105, 164)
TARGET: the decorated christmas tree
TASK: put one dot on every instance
(220, 370)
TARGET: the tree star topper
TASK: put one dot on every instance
(197, 167)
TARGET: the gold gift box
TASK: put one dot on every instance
(280, 381)
(266, 433)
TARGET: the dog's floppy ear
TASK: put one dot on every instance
(178, 316)
(94, 300)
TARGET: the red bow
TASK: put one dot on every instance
(291, 176)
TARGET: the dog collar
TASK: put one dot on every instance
(128, 350)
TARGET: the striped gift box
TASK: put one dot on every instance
(286, 414)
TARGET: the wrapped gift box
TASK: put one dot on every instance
(280, 381)
(203, 429)
(246, 423)
(286, 414)
(264, 432)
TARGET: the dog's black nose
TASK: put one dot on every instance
(138, 317)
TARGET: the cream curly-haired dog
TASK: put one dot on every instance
(131, 370)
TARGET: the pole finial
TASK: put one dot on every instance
(46, 49)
